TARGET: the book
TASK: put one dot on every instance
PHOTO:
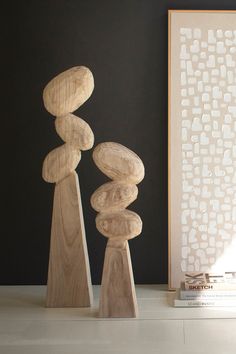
(205, 294)
(210, 281)
(203, 303)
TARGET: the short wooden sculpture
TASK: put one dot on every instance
(69, 281)
(124, 167)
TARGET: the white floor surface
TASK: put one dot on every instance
(27, 327)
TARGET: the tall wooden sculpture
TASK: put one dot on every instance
(69, 281)
(124, 167)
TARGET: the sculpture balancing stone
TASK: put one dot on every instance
(69, 280)
(118, 297)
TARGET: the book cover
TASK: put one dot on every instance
(210, 281)
(203, 303)
(206, 294)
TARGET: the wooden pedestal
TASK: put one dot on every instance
(118, 297)
(69, 281)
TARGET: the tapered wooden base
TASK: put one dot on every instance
(69, 281)
(118, 297)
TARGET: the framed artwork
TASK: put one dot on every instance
(202, 143)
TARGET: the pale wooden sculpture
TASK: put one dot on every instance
(69, 281)
(118, 297)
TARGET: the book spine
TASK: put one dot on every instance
(204, 303)
(210, 287)
(194, 295)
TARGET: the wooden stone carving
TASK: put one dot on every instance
(60, 162)
(75, 130)
(114, 196)
(118, 298)
(68, 91)
(124, 224)
(119, 163)
(69, 280)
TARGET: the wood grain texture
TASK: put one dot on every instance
(69, 281)
(118, 162)
(68, 91)
(113, 196)
(75, 131)
(118, 297)
(125, 224)
(60, 162)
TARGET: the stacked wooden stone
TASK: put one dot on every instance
(125, 168)
(69, 281)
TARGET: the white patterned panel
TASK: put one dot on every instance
(208, 103)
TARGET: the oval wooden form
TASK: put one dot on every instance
(118, 162)
(60, 162)
(75, 131)
(68, 91)
(125, 224)
(114, 196)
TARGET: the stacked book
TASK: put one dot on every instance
(207, 289)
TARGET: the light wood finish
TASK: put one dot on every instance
(169, 148)
(118, 162)
(75, 130)
(69, 281)
(124, 224)
(202, 11)
(60, 162)
(118, 297)
(68, 91)
(114, 196)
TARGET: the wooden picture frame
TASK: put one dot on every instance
(201, 131)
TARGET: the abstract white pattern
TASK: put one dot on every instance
(208, 103)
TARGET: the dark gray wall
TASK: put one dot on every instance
(124, 43)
